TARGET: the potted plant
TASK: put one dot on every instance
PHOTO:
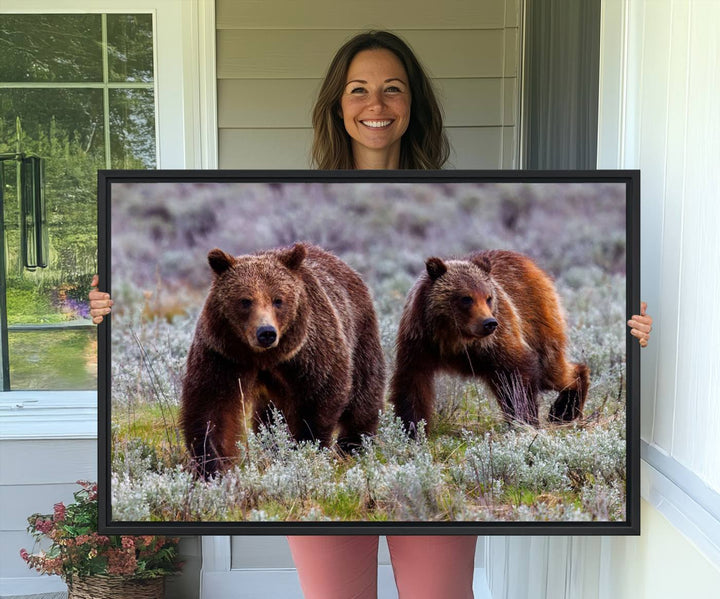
(93, 565)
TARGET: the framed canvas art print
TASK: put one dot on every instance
(369, 352)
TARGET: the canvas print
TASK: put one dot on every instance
(298, 352)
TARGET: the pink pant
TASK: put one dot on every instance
(337, 567)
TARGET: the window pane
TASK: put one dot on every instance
(50, 48)
(132, 128)
(130, 48)
(65, 127)
(53, 121)
(53, 359)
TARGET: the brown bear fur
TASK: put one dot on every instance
(495, 315)
(292, 329)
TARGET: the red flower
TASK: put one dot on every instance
(59, 512)
(71, 554)
(121, 562)
(128, 542)
(44, 526)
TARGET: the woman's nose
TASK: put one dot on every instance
(376, 99)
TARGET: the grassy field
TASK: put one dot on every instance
(51, 358)
(495, 472)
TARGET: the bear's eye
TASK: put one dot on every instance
(245, 303)
(488, 301)
(466, 300)
(277, 303)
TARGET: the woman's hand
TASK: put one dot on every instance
(641, 325)
(100, 302)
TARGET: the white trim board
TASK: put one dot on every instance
(683, 499)
(48, 415)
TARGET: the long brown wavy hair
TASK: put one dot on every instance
(424, 145)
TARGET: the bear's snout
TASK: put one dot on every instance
(266, 336)
(489, 325)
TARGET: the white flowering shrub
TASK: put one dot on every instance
(564, 474)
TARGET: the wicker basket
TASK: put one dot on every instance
(116, 587)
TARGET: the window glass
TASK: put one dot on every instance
(58, 101)
(130, 56)
(132, 128)
(37, 48)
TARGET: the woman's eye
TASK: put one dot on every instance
(357, 90)
(393, 89)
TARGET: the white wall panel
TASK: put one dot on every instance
(697, 421)
(337, 14)
(271, 53)
(652, 116)
(265, 148)
(669, 128)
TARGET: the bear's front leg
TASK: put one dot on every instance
(211, 410)
(412, 388)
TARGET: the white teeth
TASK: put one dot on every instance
(376, 124)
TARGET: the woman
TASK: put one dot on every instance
(376, 109)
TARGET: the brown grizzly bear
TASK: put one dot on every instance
(495, 315)
(293, 329)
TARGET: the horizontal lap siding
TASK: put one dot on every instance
(271, 60)
(45, 475)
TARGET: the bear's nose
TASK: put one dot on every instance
(489, 326)
(266, 335)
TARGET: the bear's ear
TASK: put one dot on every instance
(220, 261)
(435, 268)
(293, 257)
(482, 261)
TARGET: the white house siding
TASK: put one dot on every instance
(271, 57)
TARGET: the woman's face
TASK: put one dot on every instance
(375, 103)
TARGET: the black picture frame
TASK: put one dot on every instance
(618, 248)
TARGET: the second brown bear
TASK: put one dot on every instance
(292, 329)
(496, 316)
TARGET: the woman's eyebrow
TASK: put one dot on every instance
(386, 81)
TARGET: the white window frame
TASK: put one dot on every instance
(186, 114)
(186, 130)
